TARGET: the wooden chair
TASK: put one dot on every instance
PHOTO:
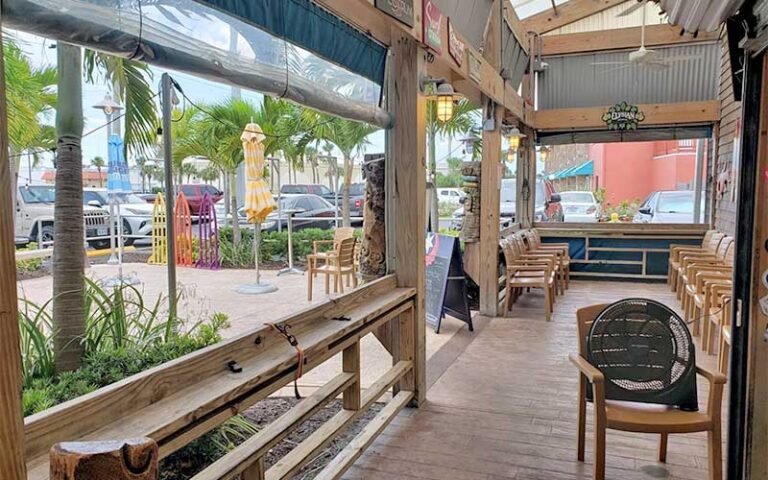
(339, 263)
(322, 248)
(526, 273)
(535, 245)
(724, 349)
(687, 258)
(641, 418)
(708, 245)
(696, 272)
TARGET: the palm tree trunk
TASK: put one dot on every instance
(345, 192)
(69, 255)
(233, 210)
(434, 221)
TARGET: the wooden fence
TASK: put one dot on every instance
(178, 402)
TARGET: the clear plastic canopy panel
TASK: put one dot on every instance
(189, 36)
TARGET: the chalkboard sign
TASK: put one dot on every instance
(402, 10)
(446, 285)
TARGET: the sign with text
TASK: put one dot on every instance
(432, 20)
(475, 64)
(623, 116)
(402, 10)
(446, 284)
(456, 46)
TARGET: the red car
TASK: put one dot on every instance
(194, 194)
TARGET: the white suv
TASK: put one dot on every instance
(34, 217)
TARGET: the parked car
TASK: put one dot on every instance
(668, 206)
(34, 217)
(580, 206)
(356, 199)
(547, 206)
(306, 188)
(450, 195)
(313, 212)
(194, 193)
(135, 212)
(147, 197)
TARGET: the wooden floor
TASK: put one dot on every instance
(506, 408)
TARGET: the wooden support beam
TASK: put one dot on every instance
(526, 169)
(568, 12)
(514, 22)
(490, 178)
(11, 416)
(406, 148)
(135, 459)
(351, 364)
(655, 114)
(619, 38)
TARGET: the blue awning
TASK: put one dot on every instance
(586, 168)
(306, 24)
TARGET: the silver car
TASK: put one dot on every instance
(668, 206)
(134, 210)
(580, 206)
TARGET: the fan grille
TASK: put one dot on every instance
(640, 346)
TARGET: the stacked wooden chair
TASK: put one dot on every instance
(563, 264)
(709, 244)
(526, 270)
(338, 264)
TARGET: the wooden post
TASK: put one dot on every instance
(490, 180)
(12, 464)
(406, 144)
(757, 430)
(351, 364)
(134, 459)
(255, 471)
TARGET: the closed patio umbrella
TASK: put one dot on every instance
(258, 199)
(118, 182)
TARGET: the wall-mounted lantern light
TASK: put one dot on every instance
(513, 137)
(544, 152)
(444, 96)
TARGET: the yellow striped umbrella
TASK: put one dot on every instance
(258, 199)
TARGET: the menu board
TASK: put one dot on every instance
(446, 285)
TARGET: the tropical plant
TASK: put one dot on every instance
(98, 163)
(209, 174)
(452, 179)
(129, 83)
(350, 137)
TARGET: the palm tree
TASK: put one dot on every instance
(209, 174)
(130, 84)
(69, 256)
(188, 170)
(349, 137)
(141, 162)
(98, 163)
(465, 115)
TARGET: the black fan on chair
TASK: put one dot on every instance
(646, 353)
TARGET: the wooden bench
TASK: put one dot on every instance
(181, 400)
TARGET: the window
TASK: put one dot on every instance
(38, 194)
(210, 189)
(577, 197)
(189, 190)
(293, 189)
(325, 190)
(675, 202)
(91, 196)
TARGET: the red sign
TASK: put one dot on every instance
(432, 19)
(456, 46)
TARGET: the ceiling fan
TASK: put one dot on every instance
(645, 57)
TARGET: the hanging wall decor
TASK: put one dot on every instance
(623, 116)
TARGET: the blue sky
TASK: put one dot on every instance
(39, 51)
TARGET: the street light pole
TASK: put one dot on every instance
(110, 107)
(167, 105)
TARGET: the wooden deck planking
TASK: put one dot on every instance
(506, 407)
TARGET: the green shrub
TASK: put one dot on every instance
(31, 264)
(273, 244)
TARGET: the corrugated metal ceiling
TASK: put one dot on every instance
(574, 82)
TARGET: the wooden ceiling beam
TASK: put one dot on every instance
(617, 39)
(366, 17)
(655, 114)
(569, 12)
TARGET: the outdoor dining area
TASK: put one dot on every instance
(568, 351)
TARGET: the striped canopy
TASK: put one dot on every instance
(258, 199)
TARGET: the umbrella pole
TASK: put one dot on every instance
(256, 245)
(258, 287)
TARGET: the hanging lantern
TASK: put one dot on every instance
(513, 137)
(444, 96)
(544, 153)
(510, 155)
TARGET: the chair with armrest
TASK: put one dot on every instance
(598, 386)
(708, 245)
(724, 324)
(339, 263)
(699, 272)
(525, 273)
(322, 249)
(534, 246)
(700, 258)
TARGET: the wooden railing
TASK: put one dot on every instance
(178, 402)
